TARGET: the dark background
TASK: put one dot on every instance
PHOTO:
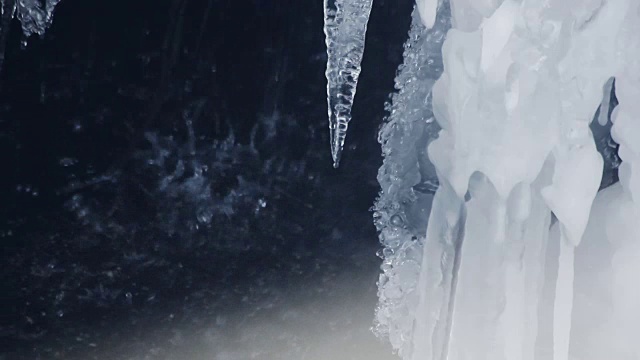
(152, 149)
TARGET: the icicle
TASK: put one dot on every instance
(576, 181)
(603, 116)
(428, 10)
(345, 27)
(563, 307)
(437, 284)
(34, 18)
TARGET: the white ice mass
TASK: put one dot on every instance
(516, 255)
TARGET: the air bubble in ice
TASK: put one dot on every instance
(396, 220)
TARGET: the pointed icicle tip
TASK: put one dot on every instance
(336, 161)
(428, 10)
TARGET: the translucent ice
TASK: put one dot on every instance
(34, 15)
(408, 179)
(345, 27)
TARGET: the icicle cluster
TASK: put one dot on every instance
(34, 15)
(345, 27)
(511, 232)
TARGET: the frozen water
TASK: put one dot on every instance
(428, 10)
(407, 177)
(35, 15)
(345, 27)
(519, 84)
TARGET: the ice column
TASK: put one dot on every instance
(345, 27)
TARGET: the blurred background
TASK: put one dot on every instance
(167, 186)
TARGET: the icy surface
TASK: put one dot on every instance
(408, 179)
(345, 27)
(516, 152)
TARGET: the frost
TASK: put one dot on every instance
(345, 27)
(407, 177)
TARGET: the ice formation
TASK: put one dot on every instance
(521, 257)
(407, 178)
(35, 15)
(345, 27)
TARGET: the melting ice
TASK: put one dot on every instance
(522, 252)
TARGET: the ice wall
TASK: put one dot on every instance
(408, 179)
(521, 82)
